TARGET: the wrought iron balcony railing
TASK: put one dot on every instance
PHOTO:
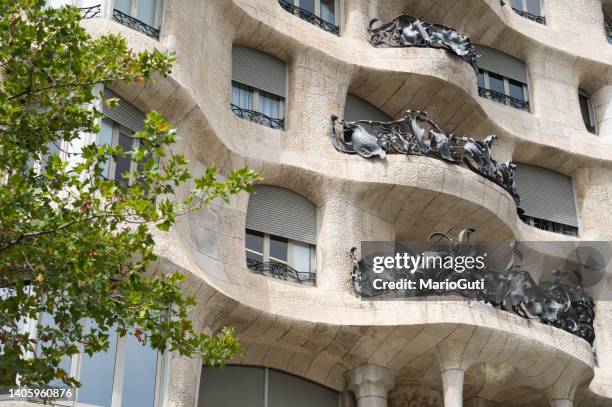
(258, 117)
(409, 136)
(550, 226)
(532, 17)
(280, 271)
(135, 24)
(308, 16)
(503, 98)
(408, 31)
(561, 302)
(90, 12)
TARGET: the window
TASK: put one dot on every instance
(261, 387)
(140, 15)
(259, 87)
(323, 13)
(608, 27)
(547, 199)
(356, 109)
(502, 78)
(531, 9)
(118, 128)
(280, 236)
(586, 109)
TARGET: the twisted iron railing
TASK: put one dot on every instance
(562, 302)
(135, 24)
(408, 31)
(280, 271)
(532, 17)
(406, 136)
(90, 12)
(308, 16)
(550, 226)
(258, 117)
(503, 98)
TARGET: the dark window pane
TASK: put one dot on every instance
(308, 5)
(481, 81)
(533, 7)
(122, 165)
(517, 4)
(232, 386)
(516, 90)
(97, 373)
(278, 249)
(287, 390)
(254, 243)
(584, 109)
(496, 83)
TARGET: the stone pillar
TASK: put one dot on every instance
(183, 381)
(602, 106)
(452, 386)
(561, 403)
(370, 384)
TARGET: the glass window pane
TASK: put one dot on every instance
(517, 4)
(146, 11)
(46, 320)
(270, 105)
(300, 256)
(139, 374)
(496, 83)
(122, 165)
(232, 386)
(242, 96)
(278, 249)
(97, 373)
(481, 81)
(106, 138)
(328, 11)
(308, 5)
(254, 242)
(516, 90)
(533, 7)
(125, 6)
(288, 390)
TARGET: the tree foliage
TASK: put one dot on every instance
(73, 244)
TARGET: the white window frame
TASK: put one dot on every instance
(291, 243)
(161, 373)
(337, 4)
(256, 102)
(158, 11)
(487, 84)
(590, 108)
(542, 11)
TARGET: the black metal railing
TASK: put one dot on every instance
(503, 98)
(608, 27)
(258, 117)
(532, 17)
(135, 24)
(310, 17)
(90, 12)
(550, 226)
(280, 271)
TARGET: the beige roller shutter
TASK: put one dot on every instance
(500, 63)
(358, 109)
(546, 194)
(282, 212)
(259, 70)
(124, 114)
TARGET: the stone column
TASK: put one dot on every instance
(183, 381)
(452, 386)
(371, 384)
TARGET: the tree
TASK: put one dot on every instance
(73, 244)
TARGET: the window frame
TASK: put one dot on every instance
(117, 129)
(590, 110)
(487, 87)
(256, 100)
(291, 243)
(337, 4)
(135, 8)
(525, 9)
